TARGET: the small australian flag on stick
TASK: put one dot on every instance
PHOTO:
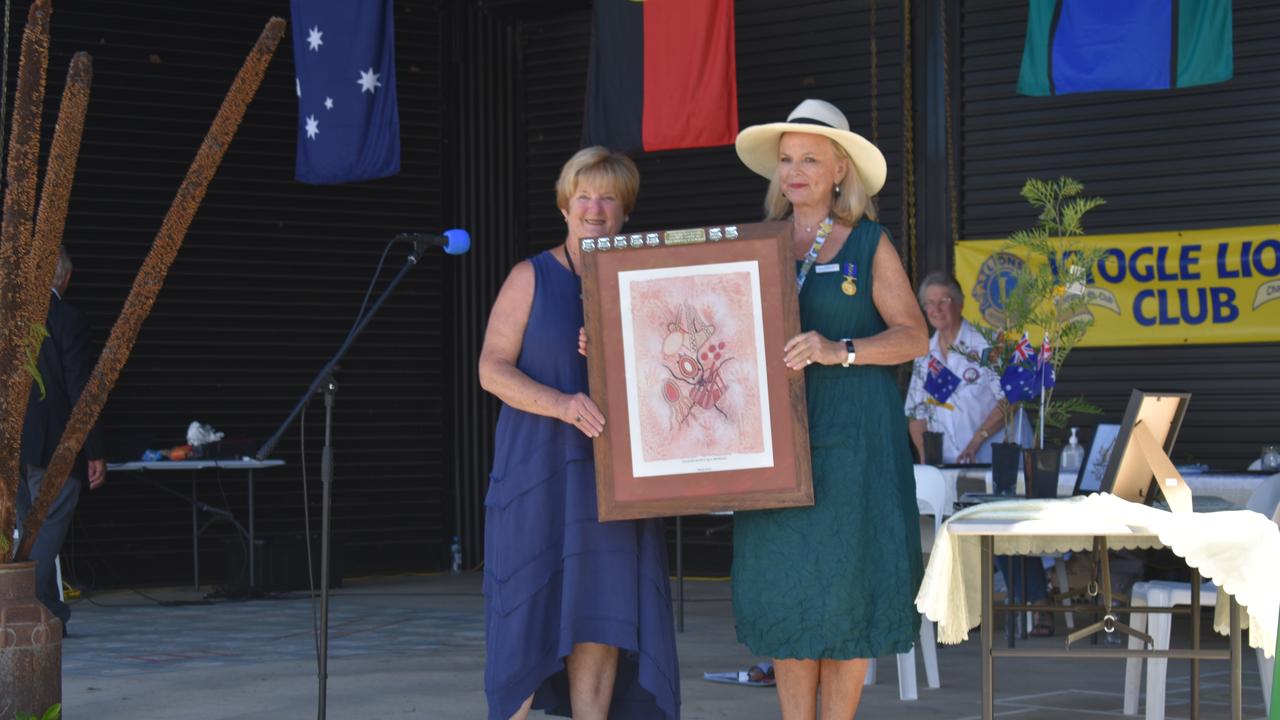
(940, 383)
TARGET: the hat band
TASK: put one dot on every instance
(811, 121)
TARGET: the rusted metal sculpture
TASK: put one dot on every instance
(26, 265)
(15, 244)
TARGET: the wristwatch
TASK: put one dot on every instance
(848, 348)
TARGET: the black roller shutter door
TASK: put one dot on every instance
(269, 280)
(1192, 158)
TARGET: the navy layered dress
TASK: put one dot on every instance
(554, 574)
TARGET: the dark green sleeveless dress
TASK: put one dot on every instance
(838, 580)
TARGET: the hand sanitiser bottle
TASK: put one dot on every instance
(1072, 454)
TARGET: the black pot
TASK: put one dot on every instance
(932, 448)
(1004, 467)
(1040, 469)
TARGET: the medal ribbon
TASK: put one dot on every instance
(824, 229)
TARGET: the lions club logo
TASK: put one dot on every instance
(997, 277)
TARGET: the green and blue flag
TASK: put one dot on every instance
(1077, 46)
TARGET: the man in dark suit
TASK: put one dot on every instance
(64, 365)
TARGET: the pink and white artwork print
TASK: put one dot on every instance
(697, 390)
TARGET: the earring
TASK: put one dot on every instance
(837, 191)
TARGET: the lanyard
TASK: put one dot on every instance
(824, 229)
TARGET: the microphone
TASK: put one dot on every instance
(454, 242)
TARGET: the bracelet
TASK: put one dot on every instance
(983, 432)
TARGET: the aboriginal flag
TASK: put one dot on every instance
(1076, 46)
(662, 75)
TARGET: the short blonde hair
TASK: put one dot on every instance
(599, 163)
(848, 207)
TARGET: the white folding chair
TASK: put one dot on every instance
(1264, 499)
(931, 495)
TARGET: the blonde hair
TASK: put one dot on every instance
(848, 206)
(599, 163)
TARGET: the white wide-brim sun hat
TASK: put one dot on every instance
(758, 145)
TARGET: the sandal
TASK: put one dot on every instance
(754, 676)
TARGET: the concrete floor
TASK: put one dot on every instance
(413, 647)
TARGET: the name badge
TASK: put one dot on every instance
(828, 268)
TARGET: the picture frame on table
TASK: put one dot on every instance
(1094, 468)
(685, 332)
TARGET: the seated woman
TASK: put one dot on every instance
(974, 419)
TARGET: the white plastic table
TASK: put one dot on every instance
(194, 467)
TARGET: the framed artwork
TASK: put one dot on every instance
(686, 331)
(1139, 462)
(1096, 461)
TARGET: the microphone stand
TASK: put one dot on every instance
(325, 378)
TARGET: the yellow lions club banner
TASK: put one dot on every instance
(1160, 288)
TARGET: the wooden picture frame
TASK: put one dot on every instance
(1094, 467)
(1139, 462)
(686, 329)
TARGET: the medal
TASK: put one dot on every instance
(850, 284)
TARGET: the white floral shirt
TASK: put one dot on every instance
(973, 401)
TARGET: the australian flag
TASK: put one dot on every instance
(348, 121)
(1019, 383)
(940, 383)
(1044, 365)
(1026, 378)
(1022, 351)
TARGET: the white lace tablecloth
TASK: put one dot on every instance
(1233, 487)
(1237, 550)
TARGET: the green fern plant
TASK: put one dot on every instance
(1048, 295)
(53, 713)
(35, 336)
(1051, 289)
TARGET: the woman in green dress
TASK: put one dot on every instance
(822, 589)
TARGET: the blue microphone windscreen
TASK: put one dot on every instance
(459, 241)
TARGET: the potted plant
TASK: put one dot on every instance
(932, 435)
(1046, 298)
(30, 665)
(1002, 351)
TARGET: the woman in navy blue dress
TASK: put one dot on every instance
(577, 612)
